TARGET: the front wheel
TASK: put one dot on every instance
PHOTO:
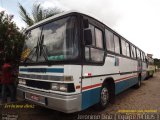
(104, 98)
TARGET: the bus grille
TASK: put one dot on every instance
(38, 84)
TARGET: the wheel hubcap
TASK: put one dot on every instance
(104, 96)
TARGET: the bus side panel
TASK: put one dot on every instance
(128, 77)
(91, 86)
(126, 83)
(90, 97)
(90, 89)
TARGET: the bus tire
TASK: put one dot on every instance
(104, 98)
(147, 75)
(138, 85)
(152, 73)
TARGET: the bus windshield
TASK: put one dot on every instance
(54, 41)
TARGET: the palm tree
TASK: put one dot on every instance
(38, 14)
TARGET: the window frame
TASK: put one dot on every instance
(90, 47)
(94, 37)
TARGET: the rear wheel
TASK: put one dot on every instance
(152, 73)
(104, 98)
(138, 85)
(147, 75)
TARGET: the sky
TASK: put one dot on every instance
(136, 20)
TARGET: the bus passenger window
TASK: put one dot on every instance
(133, 51)
(127, 50)
(117, 45)
(138, 53)
(123, 43)
(109, 40)
(99, 38)
(93, 35)
(93, 53)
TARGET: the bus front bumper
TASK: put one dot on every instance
(63, 103)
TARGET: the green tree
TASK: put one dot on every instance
(38, 13)
(11, 39)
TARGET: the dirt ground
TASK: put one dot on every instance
(143, 100)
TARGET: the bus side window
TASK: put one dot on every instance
(144, 57)
(93, 34)
(138, 53)
(95, 52)
(99, 38)
(132, 52)
(109, 40)
(141, 55)
(123, 44)
(117, 44)
(127, 49)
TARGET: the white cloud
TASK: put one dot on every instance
(5, 10)
(16, 18)
(103, 10)
(140, 24)
(19, 22)
(2, 9)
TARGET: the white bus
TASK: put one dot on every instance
(72, 61)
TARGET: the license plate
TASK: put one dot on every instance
(34, 97)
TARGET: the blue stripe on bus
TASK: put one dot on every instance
(123, 85)
(42, 70)
(92, 96)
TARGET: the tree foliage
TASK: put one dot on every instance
(11, 39)
(38, 13)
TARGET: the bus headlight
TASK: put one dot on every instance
(55, 86)
(22, 81)
(63, 87)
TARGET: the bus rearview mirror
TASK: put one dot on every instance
(88, 37)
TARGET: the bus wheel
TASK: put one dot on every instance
(104, 98)
(138, 85)
(152, 73)
(147, 75)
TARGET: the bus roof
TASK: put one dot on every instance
(51, 18)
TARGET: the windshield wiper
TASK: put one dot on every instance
(43, 49)
(36, 52)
